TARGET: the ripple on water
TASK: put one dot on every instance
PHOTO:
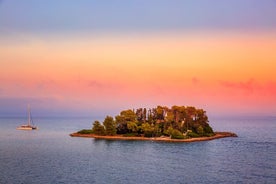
(50, 155)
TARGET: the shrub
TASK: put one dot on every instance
(200, 130)
(131, 135)
(148, 134)
(193, 134)
(176, 134)
(85, 131)
(208, 130)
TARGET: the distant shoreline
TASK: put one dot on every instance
(218, 135)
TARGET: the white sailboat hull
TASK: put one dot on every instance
(26, 127)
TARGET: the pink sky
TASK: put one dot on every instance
(224, 73)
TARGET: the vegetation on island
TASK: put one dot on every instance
(178, 122)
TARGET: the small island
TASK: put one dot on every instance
(175, 124)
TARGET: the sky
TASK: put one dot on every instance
(98, 57)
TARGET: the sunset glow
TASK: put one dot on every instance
(224, 72)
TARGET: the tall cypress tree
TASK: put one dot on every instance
(110, 125)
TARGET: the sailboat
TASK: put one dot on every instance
(30, 125)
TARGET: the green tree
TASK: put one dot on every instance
(159, 113)
(139, 114)
(98, 129)
(121, 124)
(147, 129)
(161, 120)
(169, 120)
(129, 115)
(132, 127)
(123, 119)
(150, 116)
(200, 130)
(208, 130)
(170, 117)
(110, 126)
(182, 113)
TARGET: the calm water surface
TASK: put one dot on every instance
(50, 155)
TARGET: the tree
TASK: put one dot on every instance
(182, 113)
(200, 130)
(208, 130)
(121, 124)
(191, 112)
(139, 114)
(150, 117)
(123, 119)
(110, 126)
(201, 117)
(144, 115)
(160, 113)
(132, 126)
(190, 117)
(98, 129)
(175, 110)
(158, 121)
(170, 117)
(129, 115)
(147, 129)
(169, 120)
(153, 115)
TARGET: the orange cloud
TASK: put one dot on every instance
(251, 86)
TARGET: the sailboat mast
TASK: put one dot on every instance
(29, 115)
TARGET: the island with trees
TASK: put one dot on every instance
(175, 124)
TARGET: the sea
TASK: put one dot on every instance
(50, 155)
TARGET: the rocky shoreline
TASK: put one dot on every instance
(217, 135)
